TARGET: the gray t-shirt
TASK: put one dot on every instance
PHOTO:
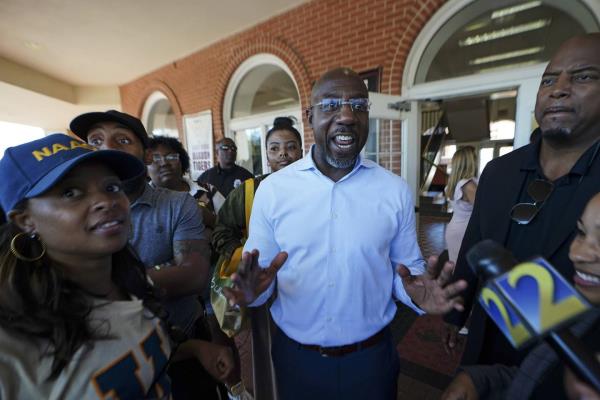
(160, 217)
(124, 365)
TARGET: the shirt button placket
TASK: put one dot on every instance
(333, 261)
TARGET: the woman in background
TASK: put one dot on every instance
(170, 164)
(284, 146)
(460, 190)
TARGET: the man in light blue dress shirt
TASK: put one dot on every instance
(333, 227)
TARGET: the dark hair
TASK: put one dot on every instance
(174, 144)
(284, 123)
(38, 301)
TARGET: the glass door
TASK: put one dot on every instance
(250, 149)
(391, 143)
(490, 150)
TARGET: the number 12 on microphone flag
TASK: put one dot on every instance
(530, 300)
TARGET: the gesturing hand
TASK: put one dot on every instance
(251, 280)
(432, 291)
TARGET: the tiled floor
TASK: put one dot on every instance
(425, 367)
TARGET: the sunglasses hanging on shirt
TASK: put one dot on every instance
(539, 190)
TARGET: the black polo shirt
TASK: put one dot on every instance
(225, 180)
(527, 241)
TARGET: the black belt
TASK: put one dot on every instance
(339, 351)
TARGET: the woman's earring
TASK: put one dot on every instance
(24, 238)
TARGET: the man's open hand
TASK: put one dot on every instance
(432, 291)
(251, 280)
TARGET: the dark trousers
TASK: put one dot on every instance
(368, 374)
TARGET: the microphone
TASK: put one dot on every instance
(531, 301)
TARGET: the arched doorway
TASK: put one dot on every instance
(261, 89)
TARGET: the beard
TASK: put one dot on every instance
(340, 163)
(560, 134)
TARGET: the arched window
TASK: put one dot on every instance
(158, 116)
(489, 36)
(261, 89)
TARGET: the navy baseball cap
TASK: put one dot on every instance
(81, 124)
(30, 169)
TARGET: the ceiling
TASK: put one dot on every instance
(62, 57)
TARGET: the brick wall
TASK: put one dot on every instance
(310, 39)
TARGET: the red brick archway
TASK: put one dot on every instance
(248, 49)
(417, 16)
(160, 86)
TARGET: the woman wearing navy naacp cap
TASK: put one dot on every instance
(168, 235)
(78, 316)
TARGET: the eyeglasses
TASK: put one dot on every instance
(539, 190)
(334, 105)
(157, 158)
(226, 147)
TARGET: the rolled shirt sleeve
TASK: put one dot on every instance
(405, 249)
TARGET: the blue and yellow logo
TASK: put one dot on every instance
(48, 151)
(530, 300)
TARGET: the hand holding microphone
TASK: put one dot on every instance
(530, 301)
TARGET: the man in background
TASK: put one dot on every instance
(226, 175)
(530, 199)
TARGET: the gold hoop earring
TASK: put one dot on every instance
(33, 236)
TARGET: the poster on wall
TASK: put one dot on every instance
(199, 140)
(371, 79)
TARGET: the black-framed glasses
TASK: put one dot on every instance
(334, 105)
(539, 190)
(157, 158)
(226, 147)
